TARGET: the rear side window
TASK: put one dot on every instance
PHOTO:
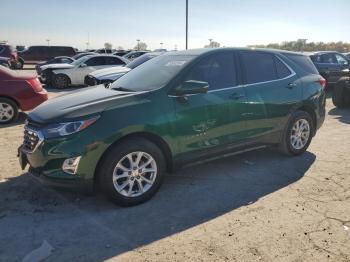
(303, 62)
(282, 69)
(328, 59)
(218, 70)
(259, 67)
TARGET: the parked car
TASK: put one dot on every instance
(5, 61)
(104, 51)
(56, 60)
(121, 52)
(36, 54)
(134, 54)
(108, 75)
(331, 65)
(10, 52)
(18, 91)
(63, 75)
(46, 74)
(177, 108)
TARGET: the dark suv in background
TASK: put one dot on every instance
(331, 65)
(35, 54)
(9, 52)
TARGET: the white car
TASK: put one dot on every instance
(63, 75)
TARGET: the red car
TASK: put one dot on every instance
(18, 90)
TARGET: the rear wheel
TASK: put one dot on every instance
(8, 111)
(298, 134)
(60, 81)
(132, 172)
(19, 64)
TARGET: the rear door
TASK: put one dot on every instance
(329, 67)
(212, 120)
(92, 64)
(272, 88)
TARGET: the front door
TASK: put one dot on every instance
(212, 120)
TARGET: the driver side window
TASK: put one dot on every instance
(218, 70)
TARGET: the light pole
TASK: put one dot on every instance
(186, 24)
(210, 42)
(161, 45)
(48, 42)
(138, 44)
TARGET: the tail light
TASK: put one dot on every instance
(35, 84)
(323, 83)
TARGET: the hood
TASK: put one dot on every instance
(110, 71)
(57, 66)
(80, 104)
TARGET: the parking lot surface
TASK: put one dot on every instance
(259, 206)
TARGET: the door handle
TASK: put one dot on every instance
(291, 85)
(236, 96)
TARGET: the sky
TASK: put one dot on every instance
(229, 22)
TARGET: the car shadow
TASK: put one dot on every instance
(343, 115)
(52, 89)
(91, 228)
(20, 120)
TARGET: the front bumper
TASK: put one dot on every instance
(46, 157)
(76, 184)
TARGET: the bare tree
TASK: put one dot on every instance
(141, 46)
(108, 45)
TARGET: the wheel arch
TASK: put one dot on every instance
(12, 99)
(157, 140)
(308, 109)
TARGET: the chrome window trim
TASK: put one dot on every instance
(292, 73)
(40, 137)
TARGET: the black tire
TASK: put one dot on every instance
(60, 81)
(9, 105)
(286, 146)
(339, 95)
(116, 154)
(20, 64)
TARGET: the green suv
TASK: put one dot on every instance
(178, 108)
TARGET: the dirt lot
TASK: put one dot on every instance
(260, 206)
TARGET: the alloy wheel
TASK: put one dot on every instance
(7, 112)
(134, 174)
(300, 134)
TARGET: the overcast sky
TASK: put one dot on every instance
(229, 22)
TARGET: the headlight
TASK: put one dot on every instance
(64, 129)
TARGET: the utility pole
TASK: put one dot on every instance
(138, 44)
(186, 24)
(48, 42)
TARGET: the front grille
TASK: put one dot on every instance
(91, 81)
(31, 140)
(32, 136)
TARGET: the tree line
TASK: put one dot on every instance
(302, 46)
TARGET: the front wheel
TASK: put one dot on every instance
(60, 81)
(132, 172)
(298, 134)
(8, 111)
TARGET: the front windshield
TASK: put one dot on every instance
(153, 74)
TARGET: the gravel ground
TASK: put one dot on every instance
(259, 206)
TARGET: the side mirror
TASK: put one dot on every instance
(192, 87)
(83, 65)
